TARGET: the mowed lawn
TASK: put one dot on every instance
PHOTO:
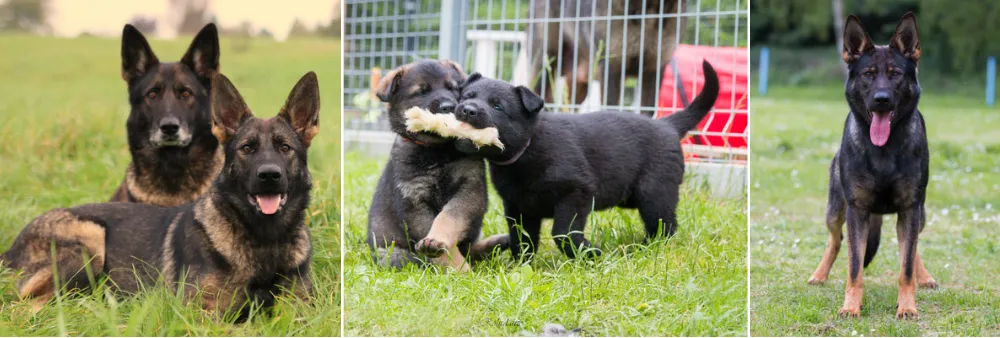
(693, 284)
(795, 135)
(63, 107)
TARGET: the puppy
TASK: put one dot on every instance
(882, 165)
(564, 166)
(245, 240)
(431, 198)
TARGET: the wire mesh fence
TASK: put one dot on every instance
(641, 56)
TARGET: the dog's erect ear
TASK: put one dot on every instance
(389, 83)
(454, 66)
(532, 103)
(473, 78)
(229, 111)
(905, 39)
(301, 110)
(137, 57)
(203, 54)
(856, 40)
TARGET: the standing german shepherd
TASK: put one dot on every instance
(431, 198)
(881, 167)
(243, 240)
(174, 155)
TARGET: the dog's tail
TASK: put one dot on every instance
(874, 237)
(688, 118)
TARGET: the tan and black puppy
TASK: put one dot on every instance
(431, 198)
(245, 240)
(174, 155)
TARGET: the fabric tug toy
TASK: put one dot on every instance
(446, 125)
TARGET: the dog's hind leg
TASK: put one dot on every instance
(658, 209)
(486, 247)
(57, 245)
(924, 278)
(907, 230)
(835, 224)
(835, 208)
(858, 223)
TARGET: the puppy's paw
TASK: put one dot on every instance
(849, 313)
(431, 247)
(906, 312)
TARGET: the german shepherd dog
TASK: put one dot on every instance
(643, 46)
(174, 155)
(881, 167)
(564, 166)
(243, 240)
(431, 198)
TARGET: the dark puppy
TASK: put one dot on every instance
(648, 44)
(243, 240)
(174, 155)
(431, 198)
(564, 166)
(881, 167)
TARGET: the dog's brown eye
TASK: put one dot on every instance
(185, 93)
(246, 148)
(151, 94)
(869, 73)
(285, 148)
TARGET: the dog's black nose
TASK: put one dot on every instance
(881, 98)
(447, 107)
(467, 111)
(169, 126)
(269, 173)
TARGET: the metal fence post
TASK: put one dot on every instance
(991, 81)
(452, 42)
(765, 58)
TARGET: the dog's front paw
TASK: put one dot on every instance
(431, 247)
(906, 312)
(849, 312)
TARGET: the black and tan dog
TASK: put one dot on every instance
(243, 240)
(882, 165)
(174, 155)
(642, 45)
(431, 198)
(564, 166)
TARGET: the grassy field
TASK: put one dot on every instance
(795, 135)
(62, 142)
(693, 284)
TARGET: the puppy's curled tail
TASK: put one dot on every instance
(688, 118)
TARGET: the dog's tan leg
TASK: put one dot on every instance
(829, 256)
(857, 236)
(924, 278)
(444, 235)
(39, 287)
(453, 259)
(907, 230)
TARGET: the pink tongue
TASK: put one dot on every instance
(879, 130)
(268, 203)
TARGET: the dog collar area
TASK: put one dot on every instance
(516, 156)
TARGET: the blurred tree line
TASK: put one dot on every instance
(956, 36)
